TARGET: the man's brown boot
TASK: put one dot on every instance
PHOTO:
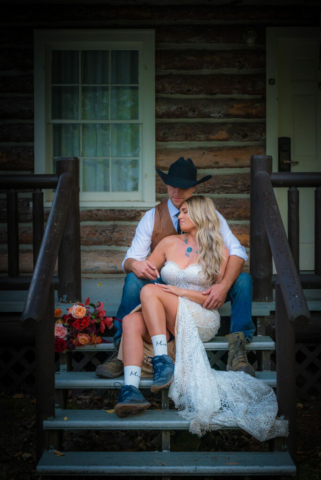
(237, 360)
(113, 368)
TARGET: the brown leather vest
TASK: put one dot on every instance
(163, 225)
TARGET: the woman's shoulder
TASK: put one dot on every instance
(170, 240)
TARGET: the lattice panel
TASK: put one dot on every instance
(17, 369)
(17, 366)
(308, 369)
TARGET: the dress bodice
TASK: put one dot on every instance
(189, 277)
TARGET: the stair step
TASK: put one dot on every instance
(88, 380)
(101, 420)
(217, 343)
(166, 463)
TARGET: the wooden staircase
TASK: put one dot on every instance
(164, 463)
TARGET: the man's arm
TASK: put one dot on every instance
(218, 292)
(141, 268)
(135, 259)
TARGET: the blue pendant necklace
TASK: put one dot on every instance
(189, 249)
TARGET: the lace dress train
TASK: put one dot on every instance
(212, 399)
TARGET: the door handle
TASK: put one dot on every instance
(284, 151)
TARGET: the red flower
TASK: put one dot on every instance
(87, 301)
(60, 345)
(106, 322)
(81, 323)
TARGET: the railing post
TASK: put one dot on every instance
(69, 268)
(261, 257)
(13, 233)
(45, 372)
(294, 225)
(285, 367)
(317, 239)
(38, 222)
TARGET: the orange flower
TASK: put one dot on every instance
(58, 313)
(77, 311)
(95, 340)
(57, 322)
(83, 339)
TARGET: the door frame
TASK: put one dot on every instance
(273, 35)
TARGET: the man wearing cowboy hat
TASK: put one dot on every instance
(161, 222)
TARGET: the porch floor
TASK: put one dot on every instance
(109, 290)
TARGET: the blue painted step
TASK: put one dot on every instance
(89, 380)
(166, 463)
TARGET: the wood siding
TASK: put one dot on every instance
(210, 105)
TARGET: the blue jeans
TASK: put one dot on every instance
(240, 296)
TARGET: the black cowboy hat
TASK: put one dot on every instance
(182, 174)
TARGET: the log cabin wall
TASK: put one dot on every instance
(210, 105)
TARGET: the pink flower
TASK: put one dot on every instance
(78, 311)
(60, 331)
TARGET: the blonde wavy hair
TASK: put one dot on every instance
(203, 214)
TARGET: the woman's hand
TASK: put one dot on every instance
(179, 292)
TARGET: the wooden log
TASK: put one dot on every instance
(230, 208)
(24, 210)
(16, 59)
(17, 132)
(16, 84)
(17, 158)
(211, 84)
(234, 183)
(16, 37)
(207, 132)
(112, 235)
(44, 14)
(208, 108)
(17, 107)
(209, 59)
(92, 262)
(110, 215)
(209, 157)
(199, 34)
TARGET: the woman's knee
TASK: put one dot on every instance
(148, 291)
(130, 323)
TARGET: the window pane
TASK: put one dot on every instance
(65, 66)
(125, 175)
(66, 140)
(95, 175)
(65, 103)
(95, 140)
(95, 103)
(124, 66)
(95, 66)
(125, 140)
(124, 103)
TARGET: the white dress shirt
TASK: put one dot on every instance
(140, 246)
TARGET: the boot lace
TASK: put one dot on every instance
(157, 363)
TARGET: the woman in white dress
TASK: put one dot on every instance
(209, 399)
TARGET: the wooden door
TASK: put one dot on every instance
(299, 117)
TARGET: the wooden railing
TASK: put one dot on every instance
(59, 240)
(269, 240)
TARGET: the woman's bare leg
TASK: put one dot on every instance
(159, 309)
(134, 332)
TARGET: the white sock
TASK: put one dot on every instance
(132, 375)
(160, 344)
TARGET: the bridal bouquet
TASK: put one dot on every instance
(82, 325)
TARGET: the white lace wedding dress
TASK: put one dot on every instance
(211, 399)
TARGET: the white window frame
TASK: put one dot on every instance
(144, 41)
